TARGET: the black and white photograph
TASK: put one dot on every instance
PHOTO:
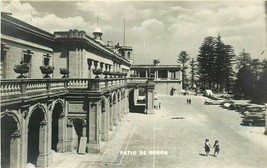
(133, 84)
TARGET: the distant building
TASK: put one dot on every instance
(167, 78)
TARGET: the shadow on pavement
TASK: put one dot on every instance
(202, 154)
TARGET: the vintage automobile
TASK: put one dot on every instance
(242, 107)
(227, 103)
(254, 120)
(216, 101)
(254, 110)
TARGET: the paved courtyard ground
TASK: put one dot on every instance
(176, 135)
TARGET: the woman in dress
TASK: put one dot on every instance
(207, 147)
(216, 147)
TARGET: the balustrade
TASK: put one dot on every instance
(20, 88)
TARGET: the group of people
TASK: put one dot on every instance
(158, 106)
(216, 147)
(188, 101)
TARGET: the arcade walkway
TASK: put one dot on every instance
(177, 132)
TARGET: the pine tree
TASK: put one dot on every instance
(193, 71)
(183, 58)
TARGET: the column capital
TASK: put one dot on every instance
(16, 134)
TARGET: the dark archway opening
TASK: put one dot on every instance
(8, 127)
(33, 135)
(78, 127)
(133, 106)
(55, 125)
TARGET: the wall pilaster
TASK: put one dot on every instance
(93, 143)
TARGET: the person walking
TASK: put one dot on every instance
(189, 101)
(216, 147)
(207, 147)
(159, 105)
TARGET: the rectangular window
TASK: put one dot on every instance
(27, 58)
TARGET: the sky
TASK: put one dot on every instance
(155, 29)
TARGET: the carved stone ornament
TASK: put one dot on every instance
(44, 122)
(16, 134)
(62, 115)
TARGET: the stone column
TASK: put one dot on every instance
(93, 142)
(69, 142)
(24, 135)
(115, 112)
(111, 115)
(15, 150)
(119, 109)
(61, 146)
(42, 159)
(126, 101)
(149, 101)
(105, 115)
(48, 126)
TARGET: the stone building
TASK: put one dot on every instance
(167, 78)
(45, 113)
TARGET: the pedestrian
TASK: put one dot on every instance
(189, 101)
(159, 105)
(216, 147)
(207, 147)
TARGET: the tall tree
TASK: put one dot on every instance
(193, 65)
(205, 60)
(255, 67)
(243, 59)
(215, 60)
(183, 58)
(245, 81)
(261, 89)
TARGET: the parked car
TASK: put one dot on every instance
(227, 103)
(213, 102)
(255, 111)
(242, 107)
(254, 120)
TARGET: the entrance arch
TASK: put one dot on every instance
(136, 104)
(10, 136)
(36, 131)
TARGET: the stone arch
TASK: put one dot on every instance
(37, 133)
(37, 106)
(137, 104)
(58, 126)
(57, 101)
(10, 139)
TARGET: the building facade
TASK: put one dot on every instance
(61, 92)
(168, 80)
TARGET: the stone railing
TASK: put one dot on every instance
(17, 89)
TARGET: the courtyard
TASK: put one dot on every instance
(174, 137)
